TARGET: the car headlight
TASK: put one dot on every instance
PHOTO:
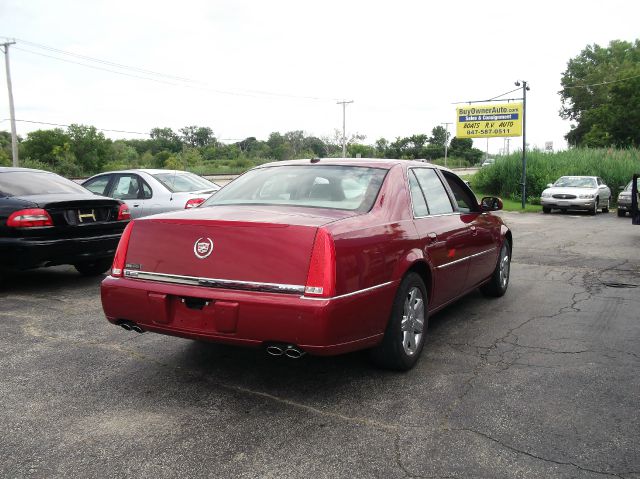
(546, 194)
(587, 196)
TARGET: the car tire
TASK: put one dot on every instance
(621, 213)
(594, 211)
(404, 337)
(605, 209)
(93, 268)
(499, 281)
(546, 210)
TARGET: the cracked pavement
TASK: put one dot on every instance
(540, 383)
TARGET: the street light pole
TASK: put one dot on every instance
(12, 114)
(523, 181)
(344, 134)
(446, 141)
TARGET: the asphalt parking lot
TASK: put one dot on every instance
(543, 382)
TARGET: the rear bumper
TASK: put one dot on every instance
(245, 318)
(25, 253)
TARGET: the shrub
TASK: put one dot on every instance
(614, 166)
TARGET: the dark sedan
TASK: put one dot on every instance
(47, 220)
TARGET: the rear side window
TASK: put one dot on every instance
(24, 183)
(126, 187)
(418, 203)
(351, 188)
(437, 198)
(179, 182)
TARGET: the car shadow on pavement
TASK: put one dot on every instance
(53, 279)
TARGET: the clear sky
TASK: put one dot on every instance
(250, 67)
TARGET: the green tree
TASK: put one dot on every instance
(600, 93)
(197, 136)
(89, 146)
(39, 145)
(439, 136)
(165, 139)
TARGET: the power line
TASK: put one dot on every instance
(604, 82)
(148, 75)
(66, 126)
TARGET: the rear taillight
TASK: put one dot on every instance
(321, 279)
(123, 212)
(193, 203)
(117, 269)
(30, 218)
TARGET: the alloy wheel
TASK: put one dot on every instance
(412, 325)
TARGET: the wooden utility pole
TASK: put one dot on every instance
(344, 133)
(12, 113)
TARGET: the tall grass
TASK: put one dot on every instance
(614, 166)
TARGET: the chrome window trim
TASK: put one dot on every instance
(215, 282)
(347, 295)
(451, 263)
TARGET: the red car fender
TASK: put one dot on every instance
(415, 260)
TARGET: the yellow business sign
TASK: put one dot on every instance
(484, 121)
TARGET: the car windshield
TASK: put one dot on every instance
(182, 181)
(576, 182)
(337, 187)
(24, 183)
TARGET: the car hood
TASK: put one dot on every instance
(567, 190)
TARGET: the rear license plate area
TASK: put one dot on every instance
(204, 315)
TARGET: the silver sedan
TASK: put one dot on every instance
(149, 191)
(576, 193)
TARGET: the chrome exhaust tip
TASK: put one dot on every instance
(125, 326)
(294, 352)
(275, 350)
(137, 329)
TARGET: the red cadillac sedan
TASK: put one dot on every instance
(320, 256)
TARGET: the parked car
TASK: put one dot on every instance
(313, 256)
(148, 191)
(488, 162)
(576, 193)
(624, 200)
(48, 220)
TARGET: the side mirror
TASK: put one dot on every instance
(491, 203)
(621, 188)
(549, 185)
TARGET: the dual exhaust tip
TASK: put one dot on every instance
(289, 350)
(131, 326)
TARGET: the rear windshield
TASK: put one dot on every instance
(24, 183)
(183, 181)
(350, 188)
(576, 182)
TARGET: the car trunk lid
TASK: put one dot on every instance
(227, 246)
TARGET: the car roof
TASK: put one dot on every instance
(578, 176)
(363, 162)
(151, 171)
(13, 169)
